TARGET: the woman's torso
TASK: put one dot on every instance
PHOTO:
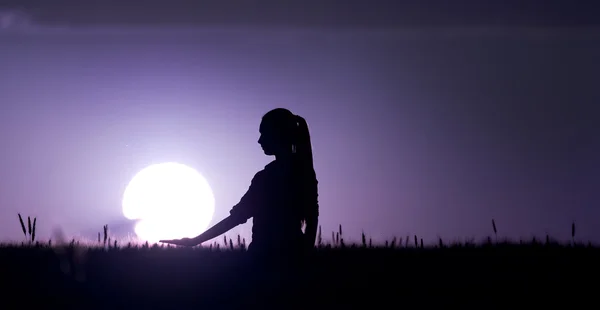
(277, 219)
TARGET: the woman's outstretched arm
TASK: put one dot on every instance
(218, 229)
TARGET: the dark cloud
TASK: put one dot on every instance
(322, 13)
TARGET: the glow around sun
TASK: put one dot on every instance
(169, 200)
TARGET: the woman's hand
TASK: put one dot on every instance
(182, 242)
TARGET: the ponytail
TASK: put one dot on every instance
(302, 143)
(307, 175)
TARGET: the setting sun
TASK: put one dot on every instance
(169, 200)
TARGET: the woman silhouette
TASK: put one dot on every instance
(282, 197)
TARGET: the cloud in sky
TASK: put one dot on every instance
(322, 13)
(49, 20)
(15, 19)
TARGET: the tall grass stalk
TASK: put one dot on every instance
(573, 233)
(22, 225)
(495, 230)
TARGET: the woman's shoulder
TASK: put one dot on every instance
(272, 169)
(273, 165)
(268, 169)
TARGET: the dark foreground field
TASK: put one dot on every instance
(359, 277)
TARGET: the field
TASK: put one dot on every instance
(400, 274)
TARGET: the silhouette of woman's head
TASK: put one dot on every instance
(279, 131)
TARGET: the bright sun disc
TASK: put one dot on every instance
(169, 200)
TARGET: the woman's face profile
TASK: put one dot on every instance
(267, 140)
(274, 133)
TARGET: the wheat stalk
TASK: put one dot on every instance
(364, 239)
(33, 230)
(105, 234)
(573, 232)
(29, 227)
(22, 225)
(495, 230)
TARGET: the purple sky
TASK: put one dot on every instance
(425, 131)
